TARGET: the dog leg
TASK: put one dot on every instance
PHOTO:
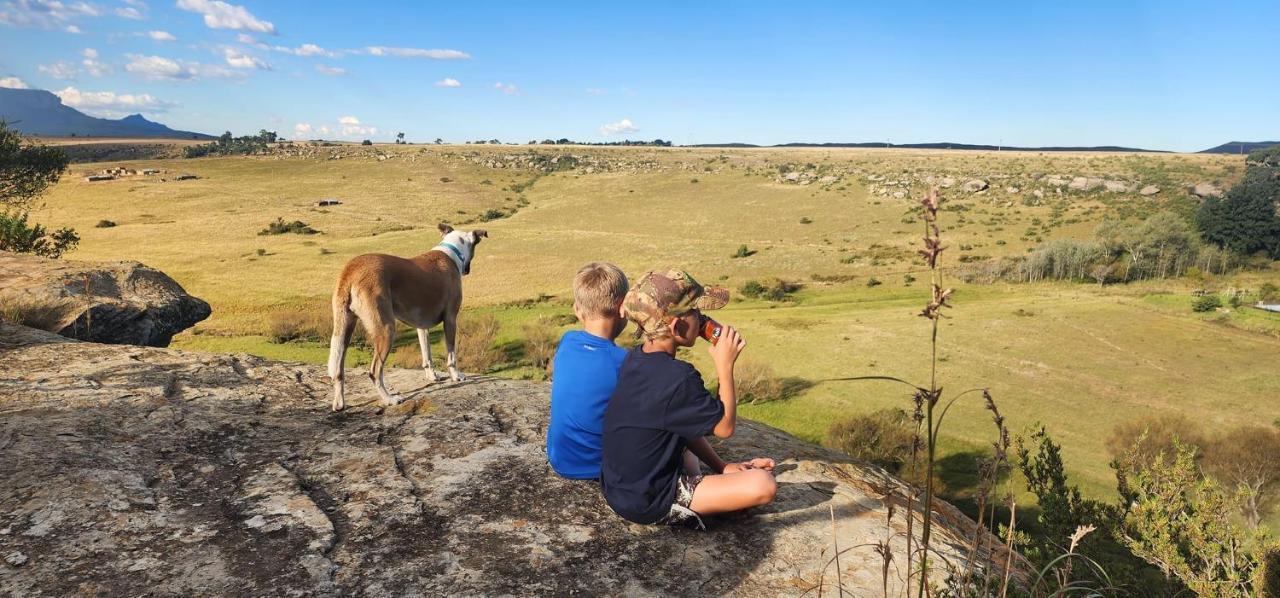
(424, 342)
(383, 335)
(344, 323)
(450, 332)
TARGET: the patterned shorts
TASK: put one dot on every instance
(680, 514)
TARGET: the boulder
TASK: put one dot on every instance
(123, 303)
(1148, 190)
(143, 471)
(1081, 183)
(975, 185)
(946, 182)
(1203, 190)
(1115, 186)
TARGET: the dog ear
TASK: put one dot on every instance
(445, 228)
(479, 234)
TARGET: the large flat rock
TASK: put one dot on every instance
(140, 471)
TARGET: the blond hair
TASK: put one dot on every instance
(598, 288)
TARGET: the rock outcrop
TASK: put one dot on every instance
(107, 302)
(141, 471)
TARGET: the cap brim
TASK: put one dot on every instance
(712, 298)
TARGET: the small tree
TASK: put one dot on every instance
(26, 170)
(399, 138)
(1248, 460)
(366, 142)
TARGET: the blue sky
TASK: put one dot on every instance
(1163, 75)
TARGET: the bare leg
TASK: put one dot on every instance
(730, 492)
(424, 342)
(450, 330)
(344, 323)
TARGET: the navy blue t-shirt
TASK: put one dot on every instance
(660, 404)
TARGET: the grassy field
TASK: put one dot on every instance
(1075, 357)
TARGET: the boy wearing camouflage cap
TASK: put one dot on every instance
(660, 407)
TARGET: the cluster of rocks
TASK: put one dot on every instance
(808, 177)
(1038, 186)
(581, 163)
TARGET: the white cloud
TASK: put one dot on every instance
(348, 120)
(157, 67)
(434, 54)
(129, 12)
(508, 89)
(46, 14)
(448, 82)
(332, 71)
(241, 60)
(161, 36)
(161, 68)
(59, 70)
(92, 65)
(12, 83)
(220, 15)
(107, 103)
(250, 40)
(621, 127)
(595, 91)
(301, 129)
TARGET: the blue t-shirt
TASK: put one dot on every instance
(659, 406)
(584, 372)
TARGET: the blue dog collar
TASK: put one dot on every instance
(456, 252)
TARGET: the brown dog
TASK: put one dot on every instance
(422, 291)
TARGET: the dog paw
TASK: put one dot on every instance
(391, 400)
(459, 377)
(433, 377)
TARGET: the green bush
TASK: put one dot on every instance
(280, 227)
(1268, 293)
(1205, 303)
(743, 252)
(18, 236)
(873, 282)
(882, 437)
(773, 290)
(104, 224)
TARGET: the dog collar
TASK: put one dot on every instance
(457, 254)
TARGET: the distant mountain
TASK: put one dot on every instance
(39, 112)
(1239, 147)
(945, 145)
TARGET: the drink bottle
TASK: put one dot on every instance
(710, 330)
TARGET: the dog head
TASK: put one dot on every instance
(464, 241)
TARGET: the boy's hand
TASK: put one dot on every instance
(725, 352)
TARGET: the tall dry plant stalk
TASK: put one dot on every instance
(929, 416)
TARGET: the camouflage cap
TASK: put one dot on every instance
(669, 292)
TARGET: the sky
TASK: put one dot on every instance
(1170, 75)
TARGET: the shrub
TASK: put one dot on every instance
(34, 313)
(474, 343)
(806, 220)
(774, 289)
(19, 237)
(1268, 293)
(540, 339)
(1205, 303)
(755, 383)
(445, 179)
(299, 325)
(366, 142)
(752, 288)
(280, 227)
(693, 180)
(873, 282)
(1146, 437)
(492, 214)
(881, 437)
(743, 252)
(104, 224)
